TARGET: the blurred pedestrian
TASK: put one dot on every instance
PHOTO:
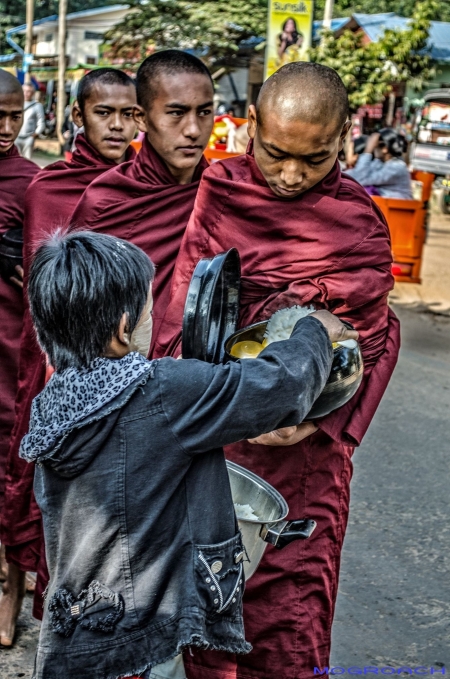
(380, 169)
(33, 122)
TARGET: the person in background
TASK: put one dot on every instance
(356, 147)
(33, 122)
(380, 169)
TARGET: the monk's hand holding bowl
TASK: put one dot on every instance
(288, 436)
(337, 331)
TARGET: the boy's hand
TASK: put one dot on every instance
(286, 436)
(337, 331)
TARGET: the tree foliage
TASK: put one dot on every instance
(214, 27)
(368, 70)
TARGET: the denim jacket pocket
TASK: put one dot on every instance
(220, 575)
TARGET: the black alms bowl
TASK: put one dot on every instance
(345, 376)
(10, 253)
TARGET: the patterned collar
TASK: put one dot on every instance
(72, 396)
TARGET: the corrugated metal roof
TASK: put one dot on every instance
(72, 15)
(336, 24)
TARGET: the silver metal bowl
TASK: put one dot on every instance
(271, 509)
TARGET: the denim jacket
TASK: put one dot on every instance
(143, 549)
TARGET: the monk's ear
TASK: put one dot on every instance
(252, 124)
(139, 118)
(77, 115)
(344, 132)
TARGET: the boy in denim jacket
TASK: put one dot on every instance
(130, 474)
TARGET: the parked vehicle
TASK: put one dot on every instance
(430, 150)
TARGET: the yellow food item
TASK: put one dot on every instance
(335, 344)
(246, 349)
(220, 129)
(264, 343)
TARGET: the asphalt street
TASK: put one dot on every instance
(393, 607)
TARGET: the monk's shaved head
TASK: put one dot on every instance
(166, 62)
(304, 91)
(9, 84)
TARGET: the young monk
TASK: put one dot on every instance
(306, 235)
(104, 107)
(16, 173)
(150, 200)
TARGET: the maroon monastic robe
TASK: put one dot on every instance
(16, 174)
(49, 203)
(142, 203)
(328, 247)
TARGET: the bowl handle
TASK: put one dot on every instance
(283, 533)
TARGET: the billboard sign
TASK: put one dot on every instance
(289, 33)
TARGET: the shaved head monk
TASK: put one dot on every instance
(16, 173)
(307, 235)
(105, 109)
(150, 200)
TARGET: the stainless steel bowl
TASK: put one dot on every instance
(271, 509)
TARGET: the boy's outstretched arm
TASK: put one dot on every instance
(209, 406)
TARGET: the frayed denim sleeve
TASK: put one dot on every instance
(208, 406)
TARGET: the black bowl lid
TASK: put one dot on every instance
(212, 307)
(13, 238)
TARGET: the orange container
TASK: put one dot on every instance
(407, 224)
(427, 179)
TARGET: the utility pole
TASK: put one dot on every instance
(328, 14)
(28, 41)
(61, 102)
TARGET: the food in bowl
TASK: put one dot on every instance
(245, 513)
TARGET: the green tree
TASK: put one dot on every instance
(368, 70)
(213, 26)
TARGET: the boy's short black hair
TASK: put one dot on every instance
(105, 76)
(166, 62)
(79, 287)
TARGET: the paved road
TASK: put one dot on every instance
(394, 597)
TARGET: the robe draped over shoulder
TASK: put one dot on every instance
(142, 203)
(329, 247)
(16, 173)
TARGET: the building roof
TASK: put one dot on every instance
(374, 26)
(336, 25)
(73, 16)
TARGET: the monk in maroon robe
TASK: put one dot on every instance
(307, 235)
(149, 201)
(105, 107)
(16, 173)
